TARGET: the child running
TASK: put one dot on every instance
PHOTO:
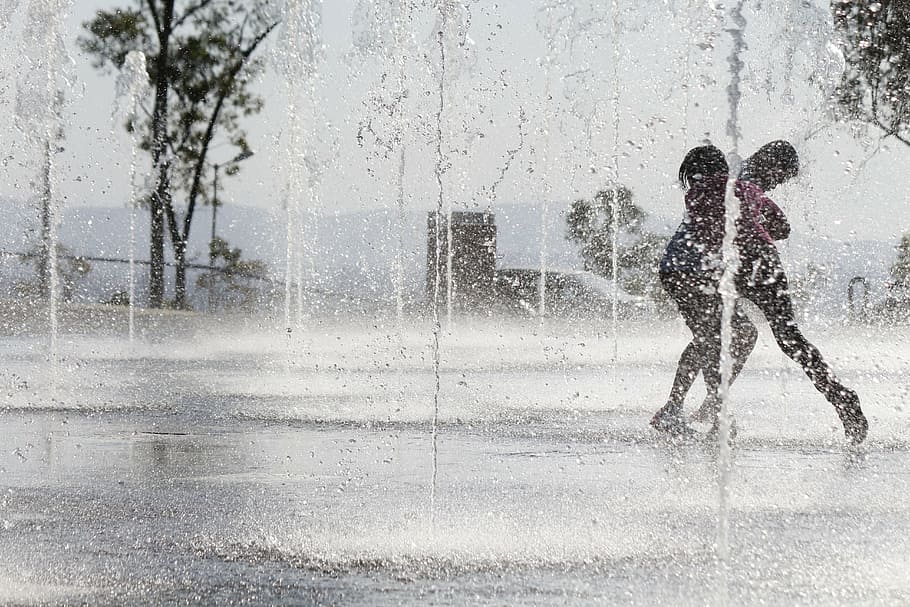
(692, 360)
(690, 272)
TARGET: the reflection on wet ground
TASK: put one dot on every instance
(230, 475)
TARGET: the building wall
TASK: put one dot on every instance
(473, 262)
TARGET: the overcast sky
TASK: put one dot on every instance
(514, 130)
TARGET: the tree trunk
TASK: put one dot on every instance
(156, 241)
(180, 274)
(161, 193)
(178, 243)
(180, 239)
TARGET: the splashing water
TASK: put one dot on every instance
(585, 498)
(401, 21)
(614, 240)
(552, 34)
(728, 294)
(8, 8)
(298, 61)
(39, 103)
(132, 86)
(438, 172)
(384, 130)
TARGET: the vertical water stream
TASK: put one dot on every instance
(132, 85)
(728, 294)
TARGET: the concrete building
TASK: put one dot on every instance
(473, 261)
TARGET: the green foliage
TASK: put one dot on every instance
(876, 84)
(900, 269)
(112, 35)
(591, 225)
(233, 284)
(209, 67)
(119, 298)
(201, 66)
(71, 271)
(639, 262)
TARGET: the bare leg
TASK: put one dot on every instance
(688, 368)
(769, 292)
(700, 306)
(744, 337)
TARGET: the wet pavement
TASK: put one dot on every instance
(247, 470)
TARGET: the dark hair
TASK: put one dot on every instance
(773, 164)
(703, 161)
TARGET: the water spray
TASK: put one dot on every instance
(727, 289)
(614, 206)
(440, 206)
(301, 44)
(132, 85)
(39, 106)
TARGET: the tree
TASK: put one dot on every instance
(201, 62)
(591, 224)
(232, 283)
(900, 269)
(71, 270)
(875, 87)
(639, 262)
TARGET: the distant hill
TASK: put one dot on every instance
(352, 252)
(355, 253)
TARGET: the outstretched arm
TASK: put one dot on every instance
(774, 219)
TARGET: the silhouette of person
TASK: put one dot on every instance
(690, 272)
